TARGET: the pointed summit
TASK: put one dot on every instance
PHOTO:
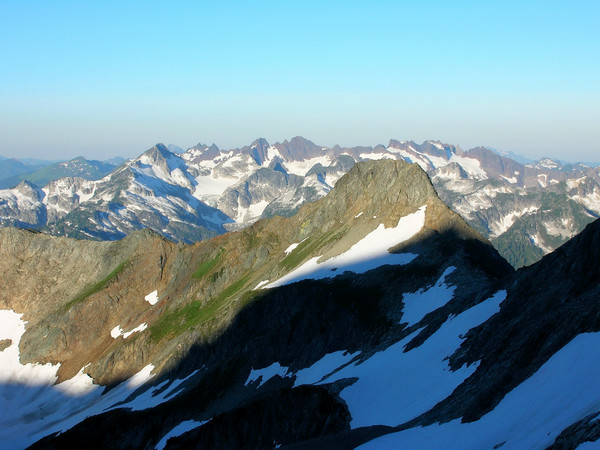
(201, 152)
(159, 155)
(298, 149)
(259, 150)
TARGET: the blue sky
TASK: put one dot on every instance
(101, 79)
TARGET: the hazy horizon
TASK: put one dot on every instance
(110, 79)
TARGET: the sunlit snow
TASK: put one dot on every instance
(118, 331)
(370, 252)
(261, 284)
(302, 167)
(512, 180)
(291, 248)
(500, 226)
(11, 370)
(470, 165)
(152, 297)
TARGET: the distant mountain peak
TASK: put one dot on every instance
(202, 152)
(512, 155)
(298, 149)
(175, 149)
(259, 150)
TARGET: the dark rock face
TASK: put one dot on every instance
(547, 305)
(294, 325)
(206, 153)
(259, 150)
(265, 185)
(496, 165)
(298, 149)
(285, 417)
(585, 430)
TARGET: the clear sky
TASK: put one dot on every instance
(109, 78)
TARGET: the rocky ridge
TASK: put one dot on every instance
(526, 210)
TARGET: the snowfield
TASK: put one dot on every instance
(417, 305)
(396, 385)
(532, 415)
(370, 252)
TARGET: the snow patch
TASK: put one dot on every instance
(375, 156)
(562, 228)
(537, 240)
(157, 395)
(291, 248)
(500, 226)
(358, 215)
(142, 377)
(118, 331)
(251, 213)
(152, 298)
(11, 370)
(595, 445)
(183, 427)
(302, 167)
(590, 201)
(574, 183)
(512, 180)
(417, 305)
(470, 165)
(324, 367)
(267, 373)
(261, 284)
(370, 252)
(78, 386)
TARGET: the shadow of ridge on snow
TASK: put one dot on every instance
(294, 325)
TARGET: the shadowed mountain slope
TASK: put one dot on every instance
(85, 310)
(374, 317)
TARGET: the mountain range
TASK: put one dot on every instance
(526, 210)
(40, 172)
(374, 317)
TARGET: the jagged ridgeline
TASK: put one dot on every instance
(358, 318)
(526, 209)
